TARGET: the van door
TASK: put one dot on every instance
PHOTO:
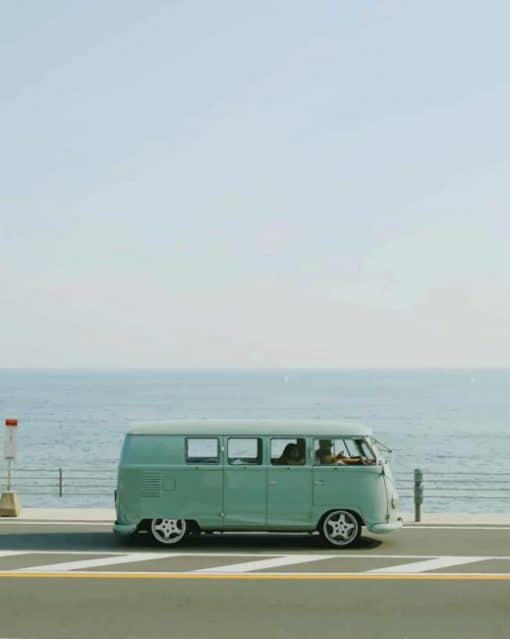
(198, 490)
(289, 485)
(244, 497)
(350, 485)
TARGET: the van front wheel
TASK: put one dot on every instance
(168, 531)
(340, 528)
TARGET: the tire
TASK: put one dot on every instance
(340, 528)
(168, 532)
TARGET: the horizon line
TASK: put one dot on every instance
(240, 369)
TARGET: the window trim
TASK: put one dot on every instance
(259, 460)
(203, 463)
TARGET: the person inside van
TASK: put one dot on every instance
(325, 455)
(291, 456)
(297, 456)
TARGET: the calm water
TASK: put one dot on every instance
(455, 421)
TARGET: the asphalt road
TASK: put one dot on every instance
(69, 581)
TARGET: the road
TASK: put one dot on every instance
(69, 580)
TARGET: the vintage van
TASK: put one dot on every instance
(181, 477)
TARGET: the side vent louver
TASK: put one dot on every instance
(152, 482)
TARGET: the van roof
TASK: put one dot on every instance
(252, 427)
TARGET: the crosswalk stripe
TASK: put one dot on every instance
(102, 561)
(261, 564)
(428, 564)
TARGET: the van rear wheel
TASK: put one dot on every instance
(168, 531)
(340, 528)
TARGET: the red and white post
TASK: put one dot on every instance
(9, 503)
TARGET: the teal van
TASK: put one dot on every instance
(182, 477)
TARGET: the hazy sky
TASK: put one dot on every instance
(254, 184)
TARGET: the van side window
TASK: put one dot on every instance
(202, 450)
(342, 451)
(243, 450)
(288, 452)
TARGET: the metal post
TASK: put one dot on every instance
(60, 483)
(418, 493)
(9, 475)
(9, 502)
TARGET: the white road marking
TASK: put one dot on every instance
(81, 561)
(33, 522)
(260, 564)
(429, 564)
(102, 561)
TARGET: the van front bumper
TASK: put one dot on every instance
(383, 529)
(123, 530)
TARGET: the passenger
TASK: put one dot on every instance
(351, 461)
(285, 456)
(342, 458)
(295, 458)
(323, 453)
(325, 457)
(291, 456)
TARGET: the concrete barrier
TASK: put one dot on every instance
(10, 505)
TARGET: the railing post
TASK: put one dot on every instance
(60, 483)
(418, 493)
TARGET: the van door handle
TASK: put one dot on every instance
(319, 482)
(273, 482)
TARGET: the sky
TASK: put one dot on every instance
(197, 184)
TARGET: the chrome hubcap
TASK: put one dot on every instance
(340, 528)
(168, 531)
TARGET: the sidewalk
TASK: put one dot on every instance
(460, 519)
(108, 514)
(68, 514)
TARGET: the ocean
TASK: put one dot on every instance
(453, 424)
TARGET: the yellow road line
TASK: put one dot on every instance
(260, 576)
